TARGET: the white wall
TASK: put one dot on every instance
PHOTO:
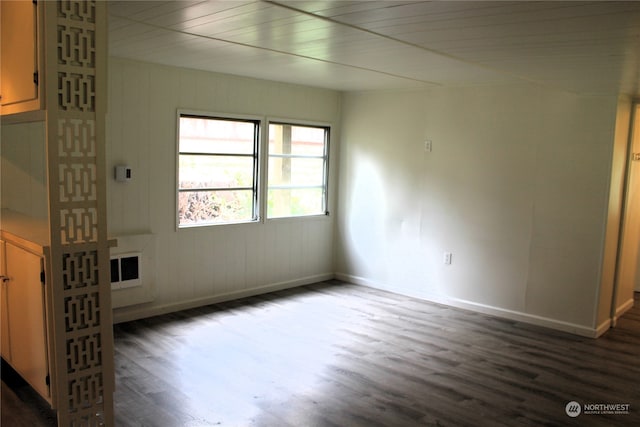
(614, 212)
(200, 265)
(628, 264)
(516, 187)
(23, 169)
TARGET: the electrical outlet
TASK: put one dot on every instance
(447, 258)
(427, 145)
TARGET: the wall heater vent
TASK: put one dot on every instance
(125, 270)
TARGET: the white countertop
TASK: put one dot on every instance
(31, 233)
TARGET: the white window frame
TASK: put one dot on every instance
(326, 170)
(256, 188)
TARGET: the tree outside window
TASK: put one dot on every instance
(217, 170)
(297, 171)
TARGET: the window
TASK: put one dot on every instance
(217, 170)
(297, 172)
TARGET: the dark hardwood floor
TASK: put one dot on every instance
(20, 405)
(334, 354)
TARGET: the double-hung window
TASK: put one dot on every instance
(217, 170)
(297, 170)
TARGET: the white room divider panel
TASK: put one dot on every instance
(75, 33)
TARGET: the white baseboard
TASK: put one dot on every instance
(133, 313)
(603, 327)
(127, 314)
(559, 325)
(620, 311)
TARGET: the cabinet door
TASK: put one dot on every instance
(19, 52)
(4, 312)
(25, 301)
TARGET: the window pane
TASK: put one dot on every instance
(295, 202)
(215, 171)
(295, 171)
(205, 135)
(298, 140)
(217, 160)
(211, 207)
(297, 159)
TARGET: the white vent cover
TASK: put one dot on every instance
(125, 270)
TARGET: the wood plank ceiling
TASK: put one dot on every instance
(588, 47)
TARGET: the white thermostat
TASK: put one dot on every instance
(122, 173)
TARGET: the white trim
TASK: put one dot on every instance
(603, 327)
(622, 309)
(218, 115)
(326, 157)
(559, 325)
(126, 315)
(260, 120)
(297, 122)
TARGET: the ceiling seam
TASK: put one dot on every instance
(282, 52)
(417, 46)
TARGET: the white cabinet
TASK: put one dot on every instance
(24, 331)
(21, 60)
(4, 311)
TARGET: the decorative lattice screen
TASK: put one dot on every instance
(80, 293)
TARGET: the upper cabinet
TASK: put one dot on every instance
(21, 62)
